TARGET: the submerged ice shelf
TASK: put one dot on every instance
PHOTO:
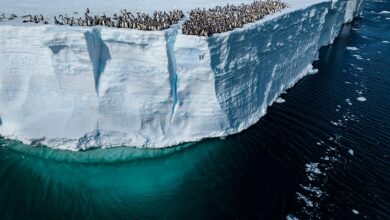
(76, 88)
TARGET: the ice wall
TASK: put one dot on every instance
(75, 88)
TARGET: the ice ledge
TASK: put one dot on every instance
(76, 88)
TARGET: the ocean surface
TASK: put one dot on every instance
(321, 152)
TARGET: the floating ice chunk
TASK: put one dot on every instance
(291, 217)
(280, 100)
(348, 101)
(358, 56)
(384, 12)
(361, 99)
(386, 42)
(354, 211)
(352, 48)
(313, 189)
(313, 168)
(350, 151)
(313, 71)
(359, 92)
(336, 123)
(305, 199)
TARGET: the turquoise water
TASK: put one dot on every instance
(324, 153)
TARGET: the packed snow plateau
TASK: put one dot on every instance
(80, 87)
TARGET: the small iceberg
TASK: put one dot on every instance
(361, 99)
(356, 212)
(313, 71)
(280, 100)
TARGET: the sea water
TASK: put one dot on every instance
(322, 152)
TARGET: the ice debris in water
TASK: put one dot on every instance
(313, 168)
(352, 48)
(358, 57)
(356, 212)
(386, 42)
(313, 71)
(280, 100)
(348, 101)
(361, 99)
(305, 199)
(291, 217)
(384, 12)
(350, 151)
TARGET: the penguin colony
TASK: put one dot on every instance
(222, 19)
(201, 22)
(158, 21)
(26, 18)
(9, 18)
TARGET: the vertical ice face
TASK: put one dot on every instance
(75, 88)
(254, 65)
(98, 54)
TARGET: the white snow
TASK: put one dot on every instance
(80, 87)
(361, 99)
(52, 7)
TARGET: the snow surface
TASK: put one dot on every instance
(80, 87)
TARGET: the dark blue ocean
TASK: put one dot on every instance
(322, 154)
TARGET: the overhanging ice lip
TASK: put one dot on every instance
(75, 88)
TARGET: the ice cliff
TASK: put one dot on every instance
(75, 88)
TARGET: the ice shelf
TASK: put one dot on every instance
(80, 87)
